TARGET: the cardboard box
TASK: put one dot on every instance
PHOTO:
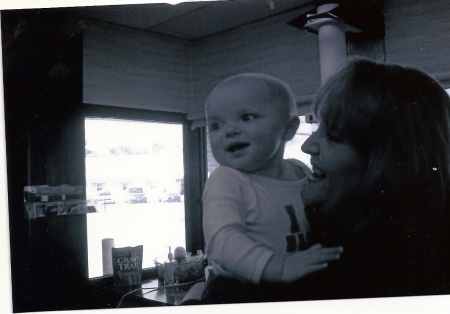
(44, 200)
(42, 209)
(45, 193)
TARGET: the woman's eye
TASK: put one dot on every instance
(333, 137)
(248, 117)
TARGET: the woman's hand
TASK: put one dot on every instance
(308, 261)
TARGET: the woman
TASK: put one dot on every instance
(380, 183)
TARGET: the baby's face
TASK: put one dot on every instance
(245, 127)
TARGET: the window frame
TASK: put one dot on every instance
(194, 160)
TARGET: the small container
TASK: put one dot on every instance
(169, 270)
(189, 270)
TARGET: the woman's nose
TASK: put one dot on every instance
(310, 145)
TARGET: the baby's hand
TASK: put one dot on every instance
(309, 261)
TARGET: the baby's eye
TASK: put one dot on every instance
(214, 126)
(248, 117)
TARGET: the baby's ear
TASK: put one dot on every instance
(291, 128)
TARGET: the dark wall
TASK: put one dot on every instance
(418, 34)
(42, 56)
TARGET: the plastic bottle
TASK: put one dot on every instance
(170, 255)
(169, 268)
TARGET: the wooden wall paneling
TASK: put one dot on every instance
(45, 145)
(135, 69)
(418, 34)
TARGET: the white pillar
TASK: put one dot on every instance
(332, 43)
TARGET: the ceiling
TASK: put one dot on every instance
(192, 20)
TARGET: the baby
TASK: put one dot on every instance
(254, 222)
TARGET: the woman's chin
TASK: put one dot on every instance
(311, 195)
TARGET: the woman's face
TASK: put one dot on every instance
(335, 186)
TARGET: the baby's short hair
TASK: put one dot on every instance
(277, 89)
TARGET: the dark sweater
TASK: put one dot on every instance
(377, 262)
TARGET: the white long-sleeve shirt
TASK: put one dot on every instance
(248, 218)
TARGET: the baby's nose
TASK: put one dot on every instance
(232, 131)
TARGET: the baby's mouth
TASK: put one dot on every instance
(236, 146)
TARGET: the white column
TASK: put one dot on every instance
(332, 43)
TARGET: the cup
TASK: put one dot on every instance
(107, 245)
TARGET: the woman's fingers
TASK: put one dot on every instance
(309, 261)
(314, 268)
(318, 255)
(319, 247)
(332, 253)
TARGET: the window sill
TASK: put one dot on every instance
(150, 293)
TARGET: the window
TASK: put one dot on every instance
(138, 167)
(293, 147)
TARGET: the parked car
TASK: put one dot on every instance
(135, 195)
(104, 197)
(91, 208)
(170, 197)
